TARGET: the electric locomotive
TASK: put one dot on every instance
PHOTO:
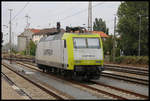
(76, 55)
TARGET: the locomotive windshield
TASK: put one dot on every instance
(86, 42)
(79, 42)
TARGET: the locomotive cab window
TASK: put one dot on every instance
(79, 43)
(86, 42)
(93, 42)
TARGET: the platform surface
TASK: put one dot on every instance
(8, 91)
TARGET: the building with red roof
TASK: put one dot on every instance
(35, 30)
(43, 33)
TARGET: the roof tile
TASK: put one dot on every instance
(35, 30)
(102, 34)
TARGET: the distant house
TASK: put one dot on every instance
(43, 33)
(102, 34)
(25, 37)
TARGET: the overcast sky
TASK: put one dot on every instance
(46, 14)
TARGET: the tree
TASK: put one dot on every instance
(32, 48)
(128, 26)
(108, 45)
(100, 25)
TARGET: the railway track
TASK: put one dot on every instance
(131, 70)
(120, 77)
(126, 78)
(48, 91)
(121, 93)
(139, 77)
(20, 91)
(126, 69)
(119, 89)
(19, 59)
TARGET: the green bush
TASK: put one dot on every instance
(32, 47)
(143, 60)
(23, 52)
(111, 58)
(119, 59)
(132, 60)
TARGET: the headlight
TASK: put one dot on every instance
(98, 61)
(77, 61)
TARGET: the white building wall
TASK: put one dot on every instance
(36, 38)
(21, 43)
(28, 33)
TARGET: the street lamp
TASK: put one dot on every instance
(140, 16)
(10, 34)
(139, 48)
(114, 39)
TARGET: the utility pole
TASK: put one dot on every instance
(27, 26)
(114, 40)
(139, 35)
(90, 16)
(10, 34)
(27, 40)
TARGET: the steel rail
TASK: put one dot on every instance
(120, 89)
(122, 78)
(77, 83)
(125, 67)
(12, 83)
(143, 80)
(124, 70)
(37, 85)
(100, 91)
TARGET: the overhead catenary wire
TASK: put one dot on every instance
(18, 13)
(20, 10)
(79, 12)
